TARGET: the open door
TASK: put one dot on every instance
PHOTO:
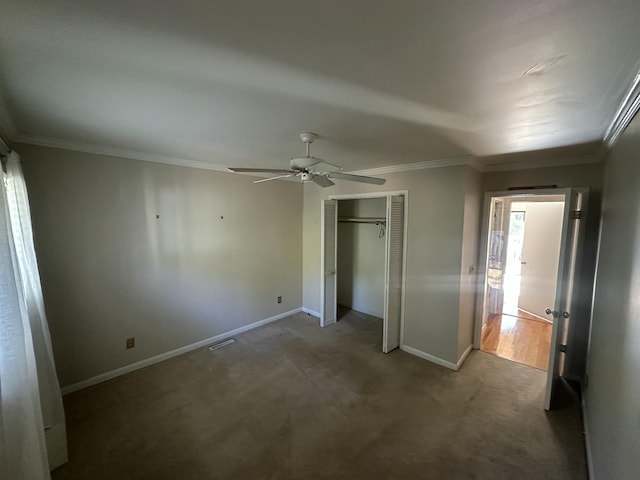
(329, 285)
(566, 295)
(393, 274)
(565, 299)
(496, 255)
(540, 256)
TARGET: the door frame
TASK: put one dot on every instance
(386, 195)
(484, 243)
(556, 355)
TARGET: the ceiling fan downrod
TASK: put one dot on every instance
(308, 138)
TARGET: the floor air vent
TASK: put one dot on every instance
(216, 346)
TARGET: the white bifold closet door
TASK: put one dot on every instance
(329, 285)
(393, 273)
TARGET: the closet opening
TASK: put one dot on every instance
(360, 261)
(363, 244)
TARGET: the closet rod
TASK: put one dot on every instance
(375, 220)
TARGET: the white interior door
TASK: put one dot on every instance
(328, 285)
(393, 273)
(496, 255)
(566, 296)
(540, 256)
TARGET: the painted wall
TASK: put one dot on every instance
(128, 247)
(587, 175)
(469, 286)
(435, 209)
(613, 394)
(168, 255)
(361, 257)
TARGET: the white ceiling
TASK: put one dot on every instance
(383, 83)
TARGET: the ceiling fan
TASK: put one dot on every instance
(309, 168)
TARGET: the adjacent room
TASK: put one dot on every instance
(346, 240)
(523, 251)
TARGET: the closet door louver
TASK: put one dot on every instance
(328, 314)
(393, 285)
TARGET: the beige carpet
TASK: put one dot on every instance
(293, 401)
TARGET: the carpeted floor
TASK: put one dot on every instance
(293, 401)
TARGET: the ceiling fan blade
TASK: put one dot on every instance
(325, 166)
(356, 178)
(259, 170)
(275, 178)
(322, 180)
(301, 163)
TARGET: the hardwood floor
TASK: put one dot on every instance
(523, 339)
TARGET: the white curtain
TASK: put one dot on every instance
(32, 428)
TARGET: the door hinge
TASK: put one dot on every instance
(563, 348)
(575, 214)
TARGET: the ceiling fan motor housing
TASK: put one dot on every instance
(308, 137)
(306, 176)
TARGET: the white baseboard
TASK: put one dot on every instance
(463, 357)
(430, 358)
(587, 438)
(103, 377)
(311, 312)
(544, 319)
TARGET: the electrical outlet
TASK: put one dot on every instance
(131, 342)
(279, 299)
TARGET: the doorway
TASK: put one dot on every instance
(534, 287)
(361, 256)
(523, 253)
(371, 286)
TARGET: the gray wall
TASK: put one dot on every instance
(473, 198)
(111, 269)
(435, 209)
(588, 175)
(361, 257)
(168, 255)
(613, 394)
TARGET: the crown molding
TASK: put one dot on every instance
(116, 152)
(426, 164)
(481, 166)
(555, 162)
(475, 163)
(625, 113)
(184, 162)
